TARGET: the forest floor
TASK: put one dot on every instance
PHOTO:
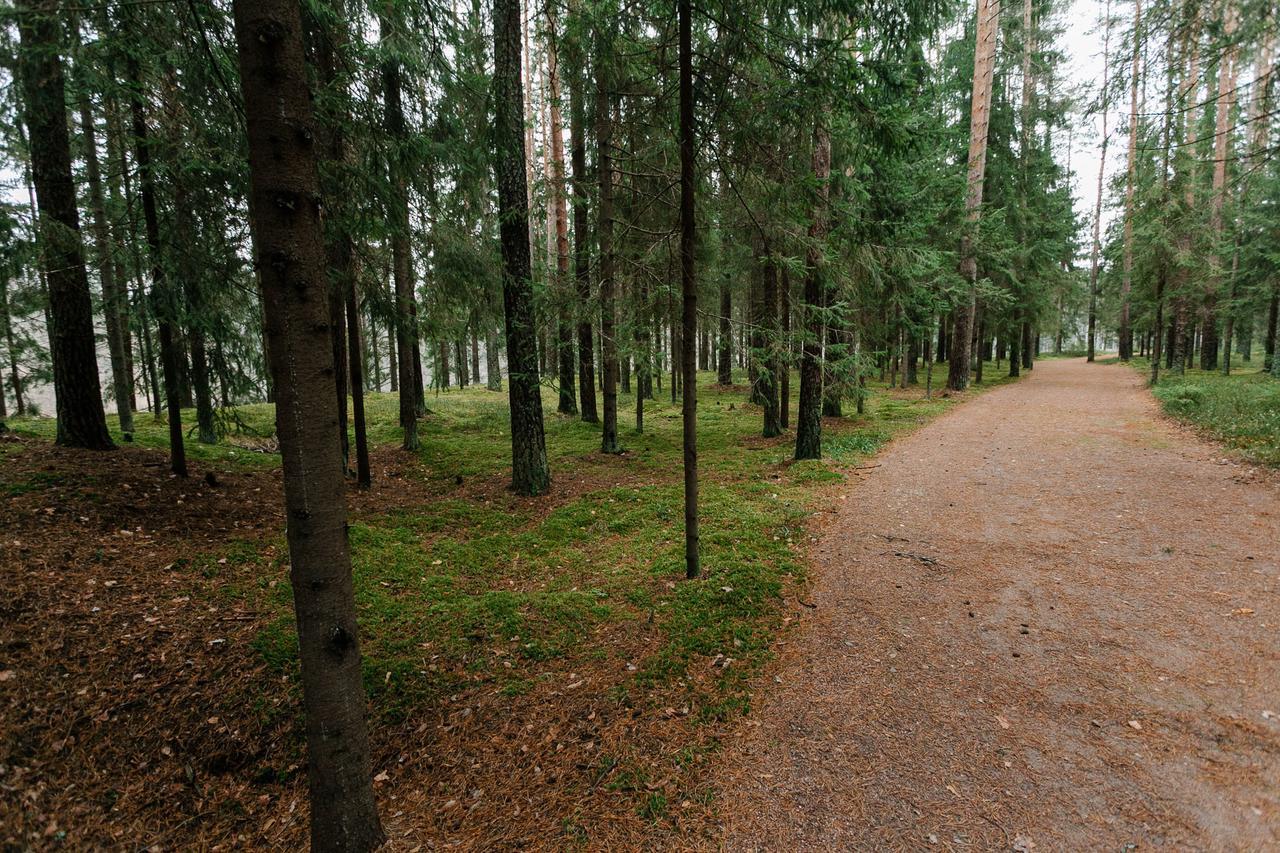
(1045, 616)
(1048, 620)
(538, 672)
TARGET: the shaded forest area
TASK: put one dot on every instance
(474, 378)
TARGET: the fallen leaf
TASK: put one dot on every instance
(1004, 724)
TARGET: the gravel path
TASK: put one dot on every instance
(1049, 620)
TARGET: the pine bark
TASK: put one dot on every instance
(114, 303)
(530, 474)
(409, 362)
(809, 414)
(724, 355)
(1221, 151)
(163, 299)
(1097, 207)
(15, 378)
(82, 421)
(979, 118)
(1126, 281)
(608, 310)
(567, 362)
(689, 295)
(581, 245)
(284, 181)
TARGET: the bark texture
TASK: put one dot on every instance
(988, 26)
(82, 421)
(284, 181)
(530, 474)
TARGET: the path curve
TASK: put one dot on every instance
(1049, 620)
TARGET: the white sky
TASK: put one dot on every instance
(1083, 45)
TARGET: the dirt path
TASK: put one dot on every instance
(1050, 620)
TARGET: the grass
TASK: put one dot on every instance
(470, 587)
(1241, 410)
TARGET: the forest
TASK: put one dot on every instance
(587, 424)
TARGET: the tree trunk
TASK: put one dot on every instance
(401, 258)
(568, 404)
(475, 355)
(1221, 151)
(355, 362)
(529, 472)
(162, 296)
(1268, 341)
(784, 395)
(769, 366)
(15, 379)
(285, 182)
(988, 26)
(1097, 208)
(343, 262)
(689, 295)
(581, 245)
(809, 414)
(1126, 331)
(724, 357)
(608, 311)
(114, 304)
(184, 227)
(493, 362)
(82, 421)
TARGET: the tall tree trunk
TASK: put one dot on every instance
(1179, 353)
(1126, 282)
(770, 368)
(114, 304)
(342, 260)
(809, 414)
(82, 421)
(581, 243)
(475, 355)
(493, 362)
(401, 257)
(689, 294)
(187, 268)
(1221, 150)
(608, 311)
(568, 403)
(285, 181)
(988, 25)
(1097, 207)
(116, 180)
(15, 379)
(355, 363)
(530, 474)
(163, 299)
(784, 396)
(724, 356)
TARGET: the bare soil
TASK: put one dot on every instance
(1049, 620)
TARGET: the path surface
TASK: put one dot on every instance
(1049, 620)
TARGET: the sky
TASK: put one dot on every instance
(1082, 42)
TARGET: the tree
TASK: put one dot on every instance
(1126, 330)
(689, 294)
(560, 231)
(809, 413)
(163, 299)
(1097, 207)
(82, 421)
(604, 227)
(406, 331)
(286, 192)
(984, 54)
(530, 474)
